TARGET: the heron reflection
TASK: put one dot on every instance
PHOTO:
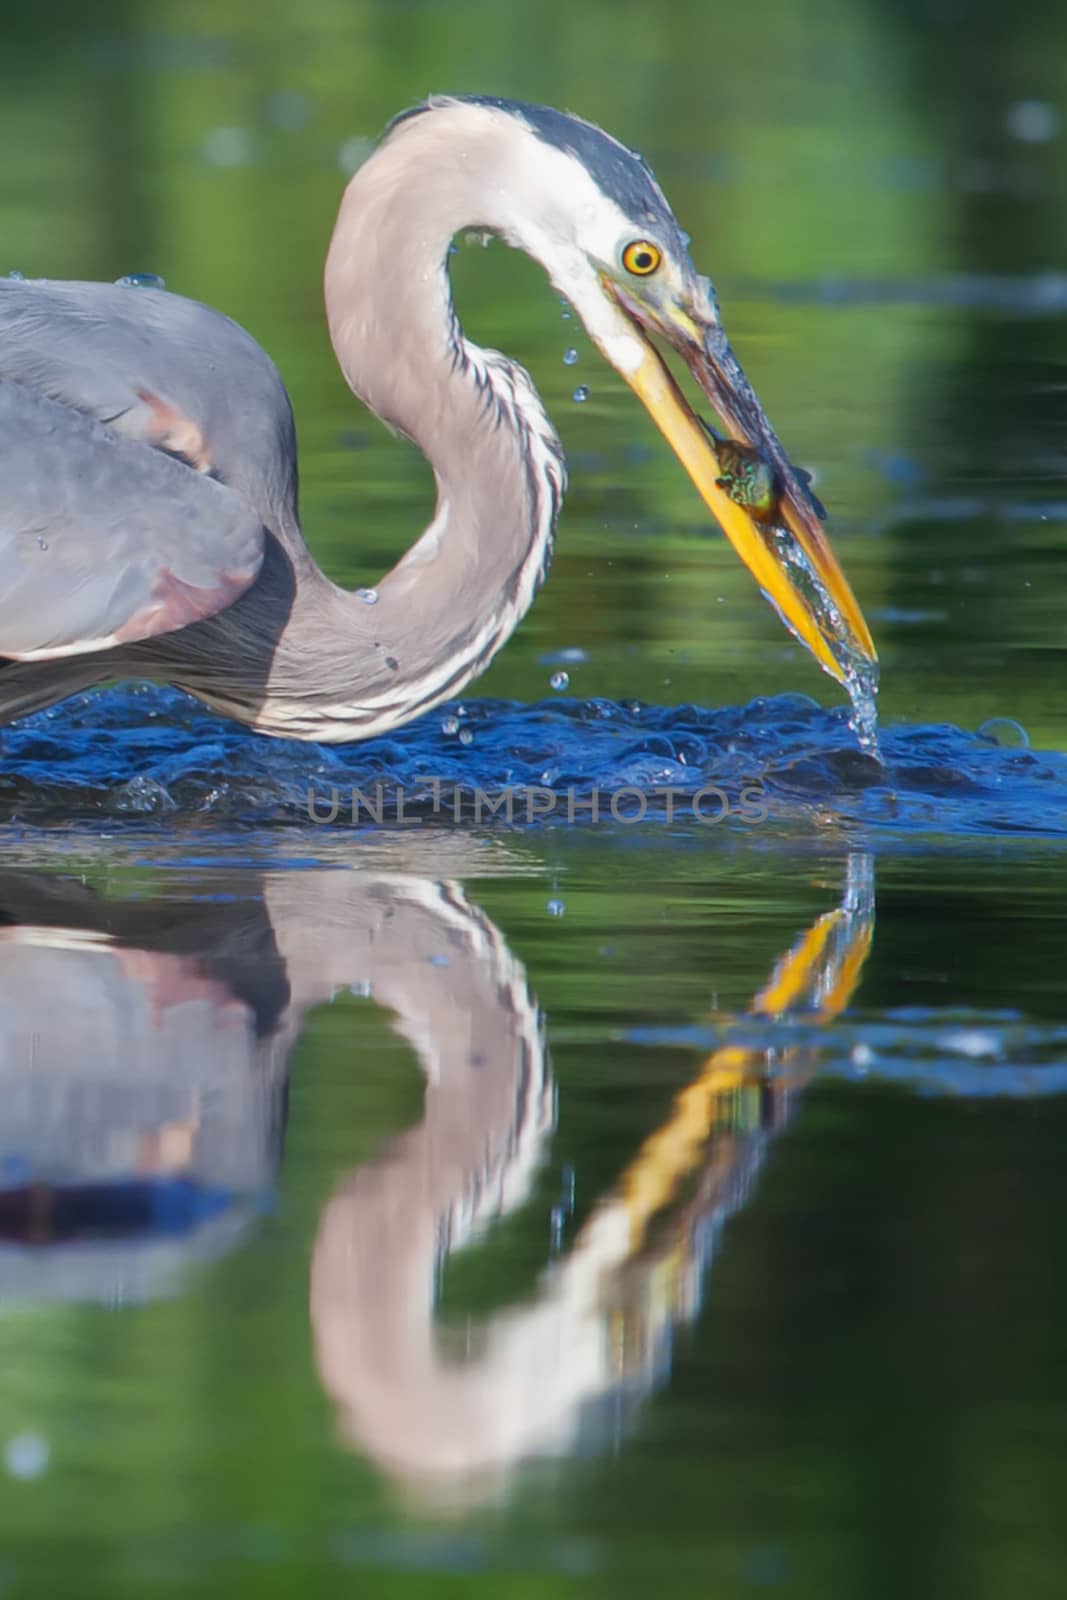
(145, 1049)
(434, 1403)
(142, 1062)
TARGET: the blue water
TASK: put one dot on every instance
(984, 1054)
(144, 751)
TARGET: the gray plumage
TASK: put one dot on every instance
(178, 546)
(623, 175)
(168, 1059)
(101, 382)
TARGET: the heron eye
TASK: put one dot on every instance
(642, 257)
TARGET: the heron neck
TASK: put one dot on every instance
(454, 598)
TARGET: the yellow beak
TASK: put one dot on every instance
(781, 542)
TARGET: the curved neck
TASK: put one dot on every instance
(459, 592)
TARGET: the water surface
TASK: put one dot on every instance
(476, 1203)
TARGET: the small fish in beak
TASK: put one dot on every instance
(747, 479)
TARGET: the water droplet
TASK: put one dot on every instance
(26, 1455)
(581, 394)
(466, 736)
(560, 681)
(227, 147)
(858, 674)
(42, 542)
(1004, 731)
(570, 357)
(368, 596)
(555, 908)
(450, 725)
(1032, 121)
(141, 280)
(19, 277)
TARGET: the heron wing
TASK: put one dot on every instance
(159, 368)
(103, 541)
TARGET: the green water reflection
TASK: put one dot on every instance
(870, 1398)
(864, 1383)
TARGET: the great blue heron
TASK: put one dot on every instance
(149, 522)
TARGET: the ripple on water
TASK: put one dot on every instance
(153, 752)
(975, 1053)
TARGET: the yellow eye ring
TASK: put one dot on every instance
(641, 257)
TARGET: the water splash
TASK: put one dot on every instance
(859, 675)
(785, 763)
(861, 682)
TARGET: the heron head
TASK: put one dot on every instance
(591, 212)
